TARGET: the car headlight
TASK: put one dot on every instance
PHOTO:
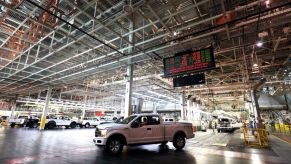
(103, 132)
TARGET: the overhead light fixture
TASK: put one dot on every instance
(267, 2)
(259, 44)
(150, 97)
(161, 95)
(255, 65)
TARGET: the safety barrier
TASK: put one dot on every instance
(256, 137)
(282, 129)
(4, 123)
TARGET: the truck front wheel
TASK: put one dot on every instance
(12, 125)
(114, 145)
(73, 125)
(179, 141)
(87, 125)
(50, 125)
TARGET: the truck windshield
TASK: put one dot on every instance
(127, 120)
(224, 120)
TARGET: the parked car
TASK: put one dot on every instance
(53, 121)
(20, 121)
(141, 129)
(224, 125)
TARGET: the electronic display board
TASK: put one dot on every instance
(189, 61)
(189, 80)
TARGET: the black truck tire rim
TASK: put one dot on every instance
(114, 146)
(180, 141)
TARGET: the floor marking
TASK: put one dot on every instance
(231, 154)
(280, 139)
(193, 141)
(219, 144)
(28, 159)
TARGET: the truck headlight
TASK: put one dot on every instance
(103, 132)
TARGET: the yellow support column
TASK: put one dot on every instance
(45, 109)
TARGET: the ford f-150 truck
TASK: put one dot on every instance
(141, 129)
(87, 122)
(20, 121)
(55, 121)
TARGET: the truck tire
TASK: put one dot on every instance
(179, 141)
(73, 125)
(51, 125)
(12, 125)
(87, 125)
(114, 145)
(34, 125)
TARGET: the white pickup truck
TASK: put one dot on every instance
(20, 121)
(53, 121)
(141, 129)
(87, 122)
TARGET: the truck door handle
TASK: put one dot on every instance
(149, 128)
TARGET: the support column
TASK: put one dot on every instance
(256, 109)
(139, 105)
(128, 92)
(155, 108)
(129, 77)
(45, 109)
(182, 106)
(189, 109)
(83, 114)
(287, 103)
(13, 107)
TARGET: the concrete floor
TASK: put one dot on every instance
(64, 146)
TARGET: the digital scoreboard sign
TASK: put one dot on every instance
(189, 61)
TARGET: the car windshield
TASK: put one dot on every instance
(127, 120)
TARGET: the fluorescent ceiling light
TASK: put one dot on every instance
(150, 97)
(259, 44)
(161, 95)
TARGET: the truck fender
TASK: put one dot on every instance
(52, 122)
(119, 135)
(179, 133)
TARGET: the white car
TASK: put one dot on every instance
(141, 129)
(56, 121)
(87, 122)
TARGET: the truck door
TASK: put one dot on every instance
(67, 120)
(154, 129)
(137, 131)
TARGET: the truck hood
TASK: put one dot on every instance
(112, 126)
